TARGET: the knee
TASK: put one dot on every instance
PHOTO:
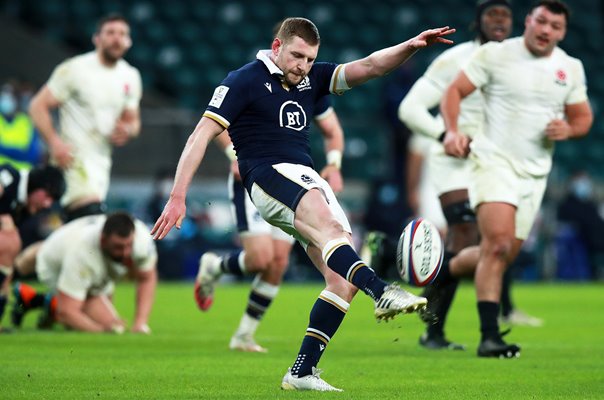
(280, 262)
(341, 287)
(499, 247)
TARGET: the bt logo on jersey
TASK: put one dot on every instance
(292, 116)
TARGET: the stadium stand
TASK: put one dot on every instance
(185, 48)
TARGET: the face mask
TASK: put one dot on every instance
(8, 105)
(582, 188)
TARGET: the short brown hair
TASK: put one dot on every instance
(110, 18)
(302, 27)
(118, 223)
(554, 6)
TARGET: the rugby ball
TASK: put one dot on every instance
(419, 254)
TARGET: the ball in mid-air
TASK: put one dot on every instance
(419, 254)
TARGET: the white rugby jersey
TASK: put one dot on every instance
(72, 257)
(92, 97)
(523, 93)
(427, 93)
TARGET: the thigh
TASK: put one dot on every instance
(496, 219)
(278, 191)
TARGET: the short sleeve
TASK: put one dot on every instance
(229, 100)
(145, 251)
(441, 72)
(578, 93)
(478, 67)
(136, 92)
(60, 81)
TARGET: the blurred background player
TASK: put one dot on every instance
(79, 264)
(493, 22)
(512, 157)
(22, 193)
(98, 95)
(266, 248)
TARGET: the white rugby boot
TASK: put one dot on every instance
(246, 343)
(308, 382)
(395, 300)
(207, 276)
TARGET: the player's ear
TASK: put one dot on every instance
(276, 45)
(127, 42)
(95, 39)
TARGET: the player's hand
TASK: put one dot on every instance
(456, 144)
(121, 134)
(118, 327)
(430, 37)
(235, 170)
(333, 176)
(173, 215)
(61, 153)
(558, 129)
(141, 328)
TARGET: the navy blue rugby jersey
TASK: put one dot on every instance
(267, 122)
(9, 180)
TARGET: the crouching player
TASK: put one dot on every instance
(80, 262)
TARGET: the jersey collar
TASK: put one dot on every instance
(263, 55)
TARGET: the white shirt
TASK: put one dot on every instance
(93, 97)
(428, 91)
(72, 257)
(522, 94)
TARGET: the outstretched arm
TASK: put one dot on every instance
(190, 159)
(333, 136)
(383, 61)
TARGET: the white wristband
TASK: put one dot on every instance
(334, 157)
(229, 151)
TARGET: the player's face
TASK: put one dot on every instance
(113, 40)
(496, 23)
(116, 247)
(543, 31)
(295, 58)
(38, 200)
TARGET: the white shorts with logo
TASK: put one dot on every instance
(248, 219)
(277, 189)
(493, 179)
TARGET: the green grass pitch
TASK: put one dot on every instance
(186, 357)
